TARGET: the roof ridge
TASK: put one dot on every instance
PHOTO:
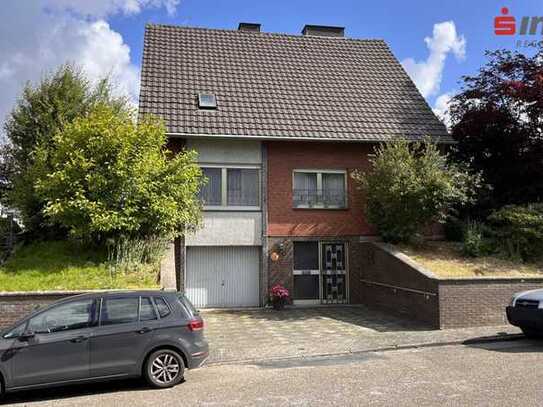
(264, 33)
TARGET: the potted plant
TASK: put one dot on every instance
(279, 296)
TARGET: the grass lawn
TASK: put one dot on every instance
(445, 260)
(65, 265)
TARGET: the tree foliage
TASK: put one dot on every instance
(411, 186)
(111, 177)
(497, 123)
(41, 112)
(518, 230)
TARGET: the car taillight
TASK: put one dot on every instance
(196, 324)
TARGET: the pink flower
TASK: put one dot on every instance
(279, 291)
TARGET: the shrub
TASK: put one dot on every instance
(113, 178)
(411, 186)
(476, 241)
(454, 229)
(518, 230)
(43, 110)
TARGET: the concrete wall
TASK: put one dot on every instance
(228, 229)
(226, 151)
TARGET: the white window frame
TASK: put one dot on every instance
(224, 187)
(319, 173)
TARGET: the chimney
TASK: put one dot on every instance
(252, 27)
(323, 31)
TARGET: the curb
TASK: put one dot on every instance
(473, 341)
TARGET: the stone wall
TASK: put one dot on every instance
(479, 302)
(16, 305)
(393, 282)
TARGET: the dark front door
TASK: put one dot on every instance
(306, 272)
(59, 349)
(123, 334)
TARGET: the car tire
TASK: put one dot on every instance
(531, 333)
(164, 368)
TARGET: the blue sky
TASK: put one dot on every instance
(106, 36)
(403, 24)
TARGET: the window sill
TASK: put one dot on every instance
(321, 208)
(231, 209)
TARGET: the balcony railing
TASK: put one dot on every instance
(315, 198)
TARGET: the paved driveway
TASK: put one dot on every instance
(236, 335)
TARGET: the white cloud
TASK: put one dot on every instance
(41, 35)
(427, 74)
(441, 108)
(103, 8)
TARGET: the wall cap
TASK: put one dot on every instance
(57, 292)
(390, 249)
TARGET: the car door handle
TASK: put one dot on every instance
(79, 339)
(144, 330)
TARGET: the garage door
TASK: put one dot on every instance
(223, 276)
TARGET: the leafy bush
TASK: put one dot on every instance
(113, 178)
(476, 241)
(519, 230)
(410, 186)
(41, 111)
(454, 229)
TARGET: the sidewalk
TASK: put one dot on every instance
(261, 334)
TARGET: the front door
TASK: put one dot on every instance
(320, 273)
(122, 336)
(59, 349)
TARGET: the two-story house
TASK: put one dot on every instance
(280, 122)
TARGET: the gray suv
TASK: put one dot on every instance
(101, 336)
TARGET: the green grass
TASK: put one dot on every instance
(445, 259)
(64, 265)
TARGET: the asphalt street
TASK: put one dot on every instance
(491, 374)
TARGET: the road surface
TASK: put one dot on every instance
(493, 374)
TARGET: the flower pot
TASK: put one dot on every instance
(278, 303)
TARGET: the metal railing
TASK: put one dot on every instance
(327, 198)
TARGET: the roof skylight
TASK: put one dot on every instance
(207, 101)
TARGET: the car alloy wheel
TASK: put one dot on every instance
(165, 368)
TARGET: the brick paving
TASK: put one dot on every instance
(238, 335)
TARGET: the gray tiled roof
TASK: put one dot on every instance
(280, 86)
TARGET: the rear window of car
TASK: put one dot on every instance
(162, 307)
(188, 305)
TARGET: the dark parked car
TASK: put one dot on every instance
(100, 336)
(526, 312)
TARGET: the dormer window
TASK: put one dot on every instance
(207, 101)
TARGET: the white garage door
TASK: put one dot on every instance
(223, 276)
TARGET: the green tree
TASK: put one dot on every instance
(114, 178)
(42, 111)
(496, 122)
(410, 186)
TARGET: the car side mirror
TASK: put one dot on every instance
(26, 335)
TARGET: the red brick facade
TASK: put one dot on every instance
(283, 219)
